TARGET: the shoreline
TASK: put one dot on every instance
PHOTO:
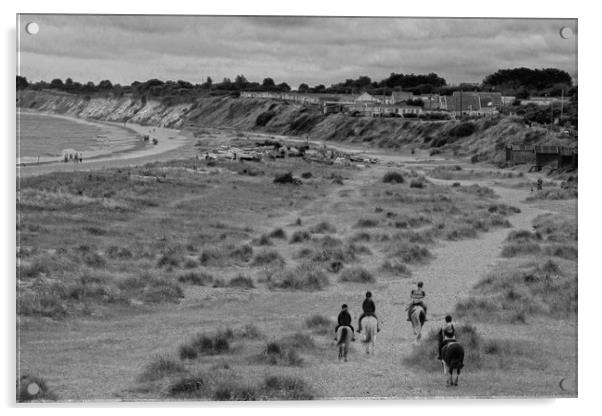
(168, 140)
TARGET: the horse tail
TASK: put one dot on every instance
(343, 336)
(368, 337)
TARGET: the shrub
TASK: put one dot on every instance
(242, 253)
(410, 253)
(94, 259)
(234, 391)
(361, 236)
(287, 178)
(357, 275)
(320, 324)
(306, 175)
(462, 130)
(323, 227)
(271, 257)
(329, 242)
(563, 251)
(306, 276)
(417, 184)
(211, 256)
(300, 236)
(159, 290)
(242, 282)
(196, 278)
(277, 353)
(299, 340)
(208, 344)
(263, 240)
(278, 233)
(161, 366)
(190, 264)
(169, 259)
(187, 352)
(393, 177)
(189, 387)
(118, 253)
(460, 233)
(395, 267)
(219, 282)
(503, 209)
(287, 388)
(304, 253)
(481, 191)
(251, 331)
(520, 248)
(366, 223)
(33, 388)
(43, 299)
(520, 235)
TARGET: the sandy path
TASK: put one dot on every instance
(456, 268)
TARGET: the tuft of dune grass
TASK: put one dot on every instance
(357, 275)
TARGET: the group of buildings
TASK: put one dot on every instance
(403, 103)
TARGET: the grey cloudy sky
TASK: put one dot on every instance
(289, 49)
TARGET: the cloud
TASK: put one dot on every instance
(290, 49)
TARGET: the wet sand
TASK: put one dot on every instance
(169, 142)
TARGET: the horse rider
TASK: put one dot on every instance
(539, 184)
(447, 334)
(417, 295)
(369, 309)
(344, 319)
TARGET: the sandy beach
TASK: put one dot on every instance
(121, 154)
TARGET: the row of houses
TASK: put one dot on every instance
(284, 96)
(400, 103)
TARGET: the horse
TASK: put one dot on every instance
(369, 326)
(452, 357)
(417, 316)
(343, 340)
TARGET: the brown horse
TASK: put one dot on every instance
(452, 357)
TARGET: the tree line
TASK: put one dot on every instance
(521, 82)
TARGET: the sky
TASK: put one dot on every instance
(315, 50)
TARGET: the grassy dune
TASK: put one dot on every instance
(187, 241)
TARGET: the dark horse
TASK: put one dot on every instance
(452, 356)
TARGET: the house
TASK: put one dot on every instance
(474, 103)
(366, 98)
(545, 101)
(397, 97)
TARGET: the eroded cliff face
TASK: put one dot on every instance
(278, 117)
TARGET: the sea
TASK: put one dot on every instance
(45, 138)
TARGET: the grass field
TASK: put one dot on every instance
(194, 280)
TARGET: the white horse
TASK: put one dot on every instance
(417, 316)
(369, 327)
(344, 336)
